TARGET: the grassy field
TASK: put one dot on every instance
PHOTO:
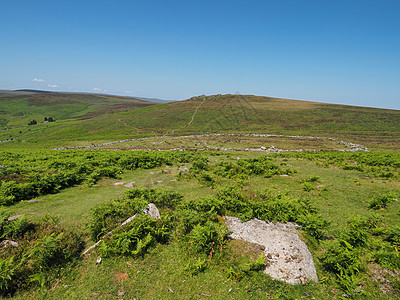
(337, 193)
(378, 129)
(346, 202)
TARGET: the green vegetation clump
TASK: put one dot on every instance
(107, 216)
(254, 166)
(29, 175)
(134, 238)
(39, 252)
(383, 165)
(190, 241)
(381, 201)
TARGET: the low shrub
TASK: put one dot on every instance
(314, 224)
(208, 237)
(381, 201)
(7, 272)
(135, 238)
(340, 256)
(253, 166)
(107, 216)
(195, 267)
(388, 257)
(393, 235)
(44, 248)
(359, 229)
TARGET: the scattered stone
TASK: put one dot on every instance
(159, 181)
(7, 243)
(183, 169)
(98, 260)
(118, 183)
(12, 218)
(152, 211)
(151, 173)
(128, 220)
(35, 200)
(288, 257)
(284, 175)
(91, 247)
(303, 280)
(121, 293)
(274, 149)
(320, 186)
(2, 167)
(349, 146)
(129, 185)
(263, 148)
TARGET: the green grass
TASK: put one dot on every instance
(378, 129)
(347, 194)
(340, 186)
(19, 110)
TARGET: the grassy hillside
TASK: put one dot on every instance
(377, 128)
(20, 107)
(56, 203)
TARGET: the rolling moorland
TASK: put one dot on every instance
(238, 156)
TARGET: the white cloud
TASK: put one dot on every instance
(37, 80)
(96, 89)
(53, 85)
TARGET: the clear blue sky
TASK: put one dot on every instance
(341, 51)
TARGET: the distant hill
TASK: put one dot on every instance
(33, 91)
(92, 118)
(4, 93)
(155, 100)
(20, 107)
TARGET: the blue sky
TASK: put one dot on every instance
(330, 51)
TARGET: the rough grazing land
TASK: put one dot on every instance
(288, 257)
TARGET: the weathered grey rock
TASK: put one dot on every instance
(129, 184)
(35, 200)
(152, 211)
(288, 257)
(183, 169)
(6, 243)
(12, 218)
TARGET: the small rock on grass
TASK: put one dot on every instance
(35, 200)
(12, 218)
(6, 243)
(152, 211)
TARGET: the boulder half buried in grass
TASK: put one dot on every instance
(288, 258)
(152, 211)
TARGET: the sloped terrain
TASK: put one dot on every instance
(95, 122)
(56, 203)
(20, 107)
